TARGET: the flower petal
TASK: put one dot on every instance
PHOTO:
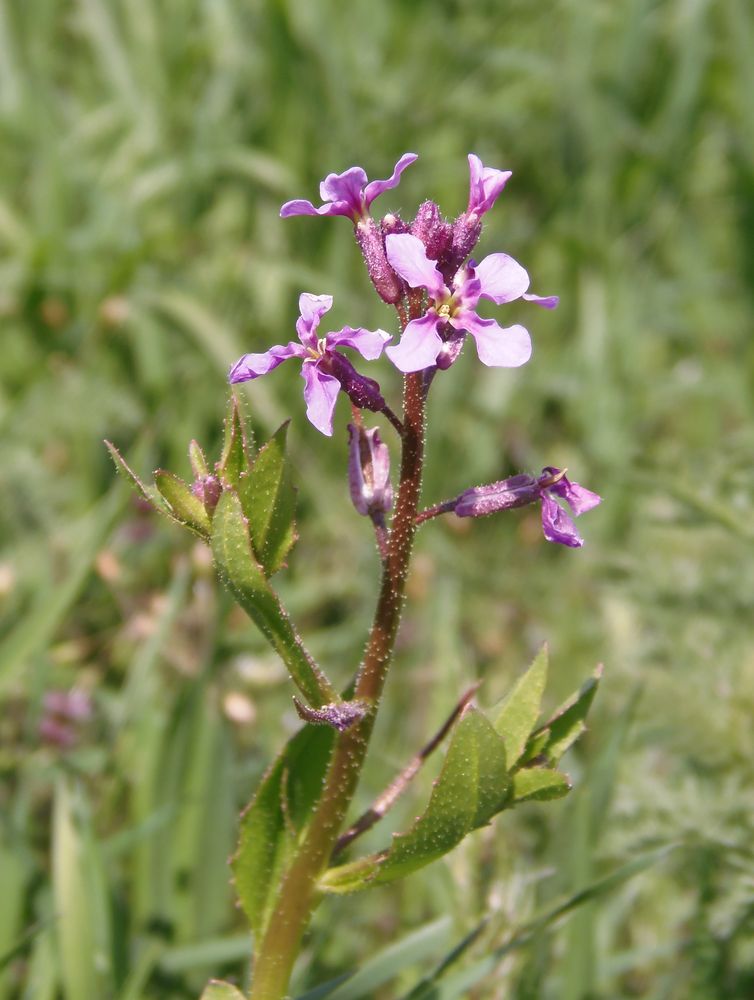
(320, 392)
(369, 343)
(497, 346)
(577, 497)
(312, 309)
(546, 301)
(253, 365)
(419, 345)
(485, 184)
(376, 188)
(408, 256)
(557, 525)
(301, 207)
(503, 279)
(346, 187)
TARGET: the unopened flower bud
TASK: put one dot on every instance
(371, 242)
(362, 391)
(465, 234)
(369, 471)
(208, 489)
(393, 224)
(434, 232)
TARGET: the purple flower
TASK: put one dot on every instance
(349, 194)
(369, 471)
(325, 371)
(437, 336)
(64, 713)
(518, 491)
(485, 184)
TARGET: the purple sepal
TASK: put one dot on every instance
(369, 471)
(340, 715)
(516, 491)
(362, 391)
(371, 241)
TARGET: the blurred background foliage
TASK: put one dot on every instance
(146, 149)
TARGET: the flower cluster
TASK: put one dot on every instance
(425, 270)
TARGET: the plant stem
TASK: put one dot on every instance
(279, 946)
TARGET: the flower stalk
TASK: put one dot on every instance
(277, 951)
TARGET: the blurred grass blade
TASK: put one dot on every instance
(411, 950)
(457, 986)
(38, 629)
(81, 903)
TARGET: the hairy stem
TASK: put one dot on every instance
(277, 951)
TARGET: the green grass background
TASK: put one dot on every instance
(145, 149)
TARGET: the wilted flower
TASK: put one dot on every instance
(325, 371)
(369, 471)
(349, 194)
(428, 341)
(519, 491)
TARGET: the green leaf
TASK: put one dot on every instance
(473, 786)
(215, 990)
(272, 824)
(236, 454)
(242, 574)
(567, 724)
(199, 464)
(519, 711)
(269, 500)
(185, 507)
(540, 784)
(148, 493)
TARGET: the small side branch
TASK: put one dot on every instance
(439, 508)
(387, 799)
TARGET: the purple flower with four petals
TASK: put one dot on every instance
(436, 338)
(325, 371)
(349, 194)
(519, 491)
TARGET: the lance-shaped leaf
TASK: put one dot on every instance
(273, 824)
(539, 784)
(517, 716)
(148, 493)
(472, 787)
(269, 500)
(236, 454)
(184, 505)
(216, 990)
(566, 725)
(242, 574)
